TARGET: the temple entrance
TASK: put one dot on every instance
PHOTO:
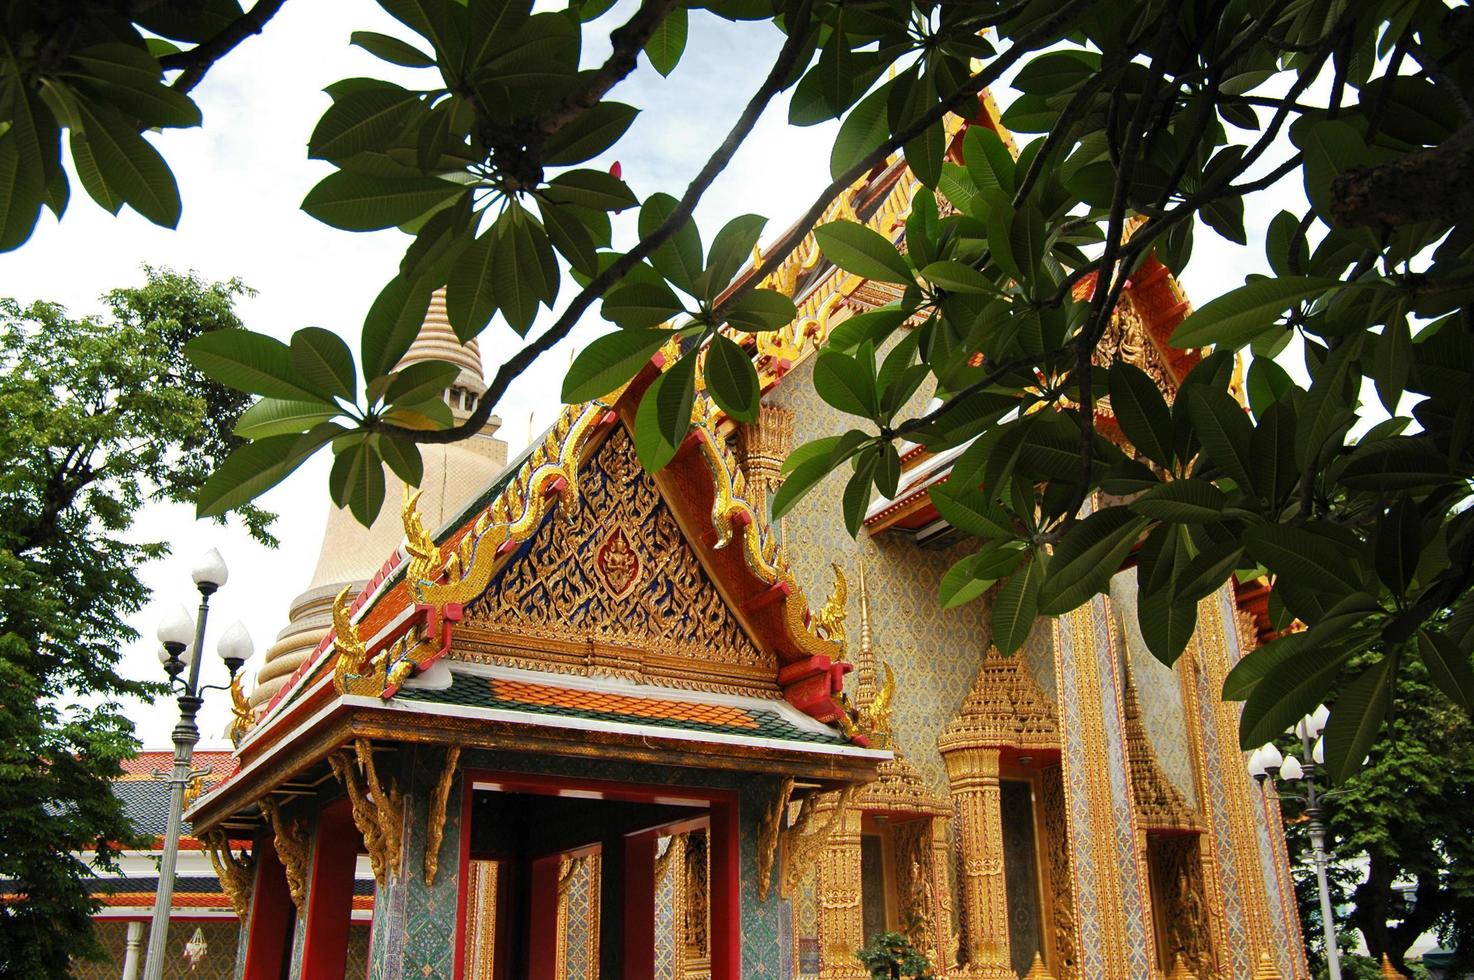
(563, 878)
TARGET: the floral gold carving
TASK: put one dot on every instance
(234, 870)
(378, 813)
(291, 846)
(435, 817)
(767, 836)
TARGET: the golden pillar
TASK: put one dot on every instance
(841, 917)
(972, 772)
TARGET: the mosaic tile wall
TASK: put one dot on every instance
(414, 925)
(583, 918)
(222, 937)
(934, 652)
(1158, 689)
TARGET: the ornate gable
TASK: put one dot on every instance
(614, 588)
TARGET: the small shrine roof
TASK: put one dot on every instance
(622, 707)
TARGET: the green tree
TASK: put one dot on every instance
(1179, 114)
(99, 417)
(891, 956)
(1403, 818)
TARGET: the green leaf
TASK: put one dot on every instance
(1141, 411)
(1290, 690)
(428, 416)
(1207, 570)
(868, 254)
(1304, 557)
(1240, 315)
(955, 277)
(1181, 502)
(762, 309)
(1086, 557)
(1393, 361)
(802, 478)
(1225, 432)
(1166, 624)
(129, 165)
(256, 467)
(609, 362)
(357, 481)
(989, 163)
(679, 257)
(664, 416)
(391, 49)
(731, 379)
(360, 202)
(250, 362)
(591, 189)
(22, 185)
(969, 511)
(322, 360)
(888, 472)
(1398, 542)
(523, 270)
(361, 121)
(392, 323)
(1016, 606)
(128, 78)
(280, 416)
(847, 382)
(590, 134)
(470, 296)
(1272, 451)
(1356, 718)
(668, 41)
(1252, 667)
(634, 305)
(1448, 667)
(925, 153)
(730, 250)
(420, 382)
(863, 131)
(403, 458)
(875, 326)
(857, 491)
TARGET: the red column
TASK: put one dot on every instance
(542, 933)
(726, 923)
(269, 928)
(330, 892)
(639, 906)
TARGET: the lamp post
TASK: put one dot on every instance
(176, 653)
(1292, 770)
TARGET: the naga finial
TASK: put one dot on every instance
(242, 715)
(830, 619)
(352, 654)
(424, 554)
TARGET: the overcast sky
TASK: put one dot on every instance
(242, 177)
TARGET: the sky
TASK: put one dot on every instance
(242, 177)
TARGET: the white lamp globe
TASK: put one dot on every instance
(1270, 756)
(1256, 764)
(177, 626)
(1318, 754)
(235, 644)
(210, 571)
(1291, 769)
(1318, 719)
(163, 654)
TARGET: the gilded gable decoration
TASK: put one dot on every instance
(1004, 709)
(1160, 806)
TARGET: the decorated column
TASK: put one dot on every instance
(972, 772)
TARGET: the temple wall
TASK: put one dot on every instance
(1158, 689)
(934, 652)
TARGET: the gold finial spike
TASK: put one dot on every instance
(865, 659)
(1038, 971)
(1265, 968)
(1389, 971)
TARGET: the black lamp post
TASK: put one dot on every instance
(235, 647)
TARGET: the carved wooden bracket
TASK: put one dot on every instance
(803, 843)
(435, 819)
(378, 814)
(767, 837)
(291, 847)
(235, 871)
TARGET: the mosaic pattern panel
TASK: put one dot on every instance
(221, 937)
(934, 652)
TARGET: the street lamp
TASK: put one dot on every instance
(1266, 760)
(181, 638)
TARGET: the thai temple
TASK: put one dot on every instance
(562, 718)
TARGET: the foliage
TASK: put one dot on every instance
(1163, 119)
(1402, 818)
(891, 955)
(98, 417)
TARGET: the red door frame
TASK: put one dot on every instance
(330, 894)
(725, 847)
(271, 912)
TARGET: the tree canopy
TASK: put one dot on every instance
(98, 417)
(1158, 121)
